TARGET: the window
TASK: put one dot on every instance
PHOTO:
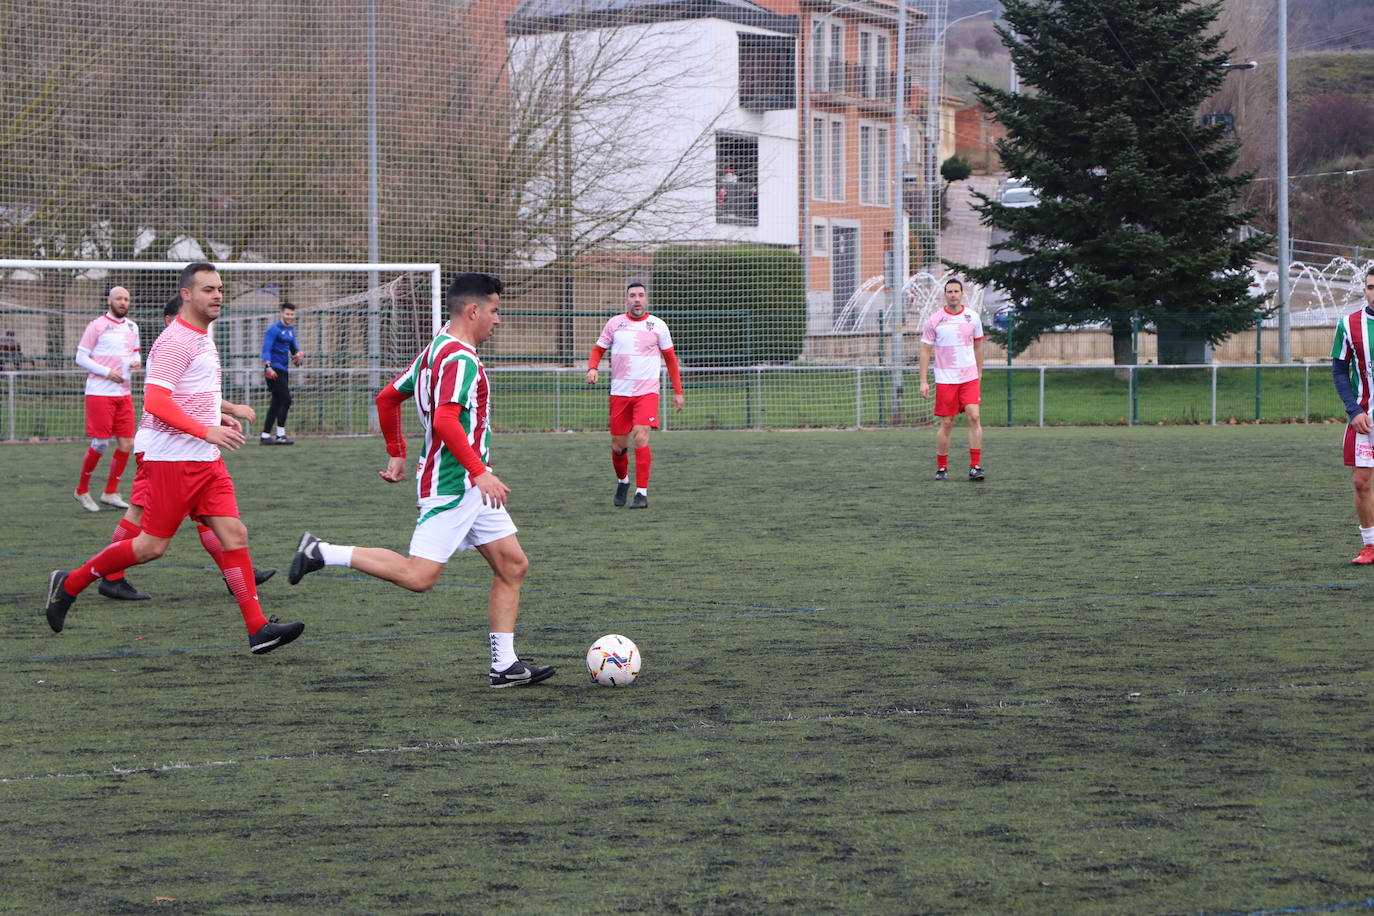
(827, 157)
(767, 77)
(875, 73)
(820, 238)
(874, 153)
(827, 57)
(737, 179)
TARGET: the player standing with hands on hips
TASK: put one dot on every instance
(279, 353)
(1352, 349)
(462, 503)
(184, 429)
(109, 352)
(954, 336)
(639, 344)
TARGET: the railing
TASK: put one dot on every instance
(45, 405)
(861, 82)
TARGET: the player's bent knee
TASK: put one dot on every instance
(99, 446)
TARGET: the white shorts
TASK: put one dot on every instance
(448, 524)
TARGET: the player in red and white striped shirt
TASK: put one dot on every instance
(183, 430)
(109, 352)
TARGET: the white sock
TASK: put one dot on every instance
(624, 480)
(1367, 535)
(335, 555)
(502, 651)
(641, 491)
(281, 431)
(266, 434)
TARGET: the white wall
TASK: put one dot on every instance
(649, 100)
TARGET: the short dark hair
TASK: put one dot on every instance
(173, 307)
(471, 287)
(288, 305)
(956, 281)
(188, 273)
(633, 283)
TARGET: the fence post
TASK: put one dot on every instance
(1133, 396)
(1259, 358)
(1214, 394)
(1011, 323)
(558, 399)
(858, 397)
(1042, 395)
(758, 391)
(14, 428)
(1306, 394)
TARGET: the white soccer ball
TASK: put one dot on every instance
(613, 661)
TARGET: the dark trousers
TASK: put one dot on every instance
(281, 402)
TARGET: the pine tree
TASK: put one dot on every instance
(1137, 217)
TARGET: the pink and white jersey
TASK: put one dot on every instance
(113, 343)
(183, 360)
(952, 336)
(636, 353)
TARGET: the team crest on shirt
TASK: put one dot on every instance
(649, 325)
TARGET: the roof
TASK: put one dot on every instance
(535, 16)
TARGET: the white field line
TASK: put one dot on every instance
(886, 712)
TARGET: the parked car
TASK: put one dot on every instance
(1018, 198)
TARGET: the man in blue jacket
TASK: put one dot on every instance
(279, 353)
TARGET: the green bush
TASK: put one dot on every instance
(731, 305)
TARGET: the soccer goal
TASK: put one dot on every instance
(358, 325)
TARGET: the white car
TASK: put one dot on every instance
(1016, 198)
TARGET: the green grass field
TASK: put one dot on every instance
(1129, 673)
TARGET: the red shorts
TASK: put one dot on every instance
(177, 489)
(950, 400)
(138, 495)
(107, 416)
(628, 412)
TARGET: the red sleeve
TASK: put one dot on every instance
(158, 402)
(389, 402)
(674, 373)
(595, 359)
(448, 426)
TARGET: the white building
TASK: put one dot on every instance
(688, 106)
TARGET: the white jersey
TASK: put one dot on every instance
(183, 360)
(113, 343)
(636, 353)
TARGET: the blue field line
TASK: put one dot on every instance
(1365, 904)
(736, 610)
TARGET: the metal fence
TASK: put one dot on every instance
(47, 405)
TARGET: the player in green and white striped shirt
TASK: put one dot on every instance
(462, 503)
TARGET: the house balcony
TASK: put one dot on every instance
(840, 82)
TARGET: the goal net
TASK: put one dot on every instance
(357, 324)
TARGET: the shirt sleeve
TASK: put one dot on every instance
(269, 341)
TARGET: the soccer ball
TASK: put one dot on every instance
(613, 661)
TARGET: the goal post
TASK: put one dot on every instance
(358, 324)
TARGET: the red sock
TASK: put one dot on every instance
(124, 531)
(975, 457)
(237, 567)
(117, 463)
(117, 557)
(942, 462)
(87, 469)
(643, 458)
(210, 541)
(620, 463)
